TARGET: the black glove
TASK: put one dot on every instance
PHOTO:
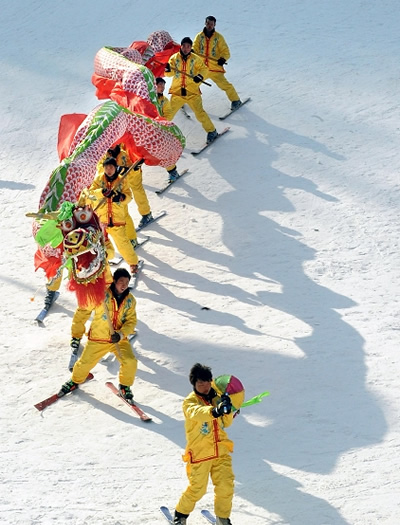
(224, 407)
(198, 78)
(115, 337)
(122, 169)
(138, 164)
(114, 152)
(119, 197)
(221, 61)
(167, 68)
(108, 193)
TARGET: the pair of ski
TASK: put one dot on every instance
(55, 397)
(205, 513)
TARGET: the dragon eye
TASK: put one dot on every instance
(68, 225)
(83, 215)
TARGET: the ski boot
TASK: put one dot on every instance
(173, 175)
(67, 387)
(211, 136)
(145, 219)
(126, 393)
(223, 521)
(179, 518)
(236, 104)
(48, 300)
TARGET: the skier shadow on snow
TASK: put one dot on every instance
(320, 408)
(186, 307)
(12, 185)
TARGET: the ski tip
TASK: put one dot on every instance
(167, 514)
(209, 517)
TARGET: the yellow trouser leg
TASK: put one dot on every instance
(196, 104)
(128, 363)
(136, 184)
(176, 104)
(222, 83)
(91, 355)
(223, 481)
(55, 285)
(81, 315)
(197, 474)
(123, 244)
(130, 228)
(109, 250)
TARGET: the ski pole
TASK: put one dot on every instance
(111, 327)
(104, 199)
(183, 73)
(208, 58)
(54, 214)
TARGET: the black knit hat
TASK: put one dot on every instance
(110, 162)
(186, 40)
(199, 371)
(121, 272)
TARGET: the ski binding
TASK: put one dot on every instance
(195, 153)
(209, 517)
(169, 184)
(233, 110)
(154, 219)
(132, 405)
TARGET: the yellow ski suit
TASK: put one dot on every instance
(210, 50)
(114, 214)
(183, 83)
(123, 318)
(135, 180)
(208, 453)
(165, 106)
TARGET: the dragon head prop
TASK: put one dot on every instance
(76, 233)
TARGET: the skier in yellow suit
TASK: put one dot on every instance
(166, 112)
(135, 181)
(121, 310)
(109, 196)
(208, 448)
(187, 71)
(214, 52)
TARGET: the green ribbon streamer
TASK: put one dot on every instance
(254, 400)
(65, 211)
(49, 234)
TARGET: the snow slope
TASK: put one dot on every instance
(287, 229)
